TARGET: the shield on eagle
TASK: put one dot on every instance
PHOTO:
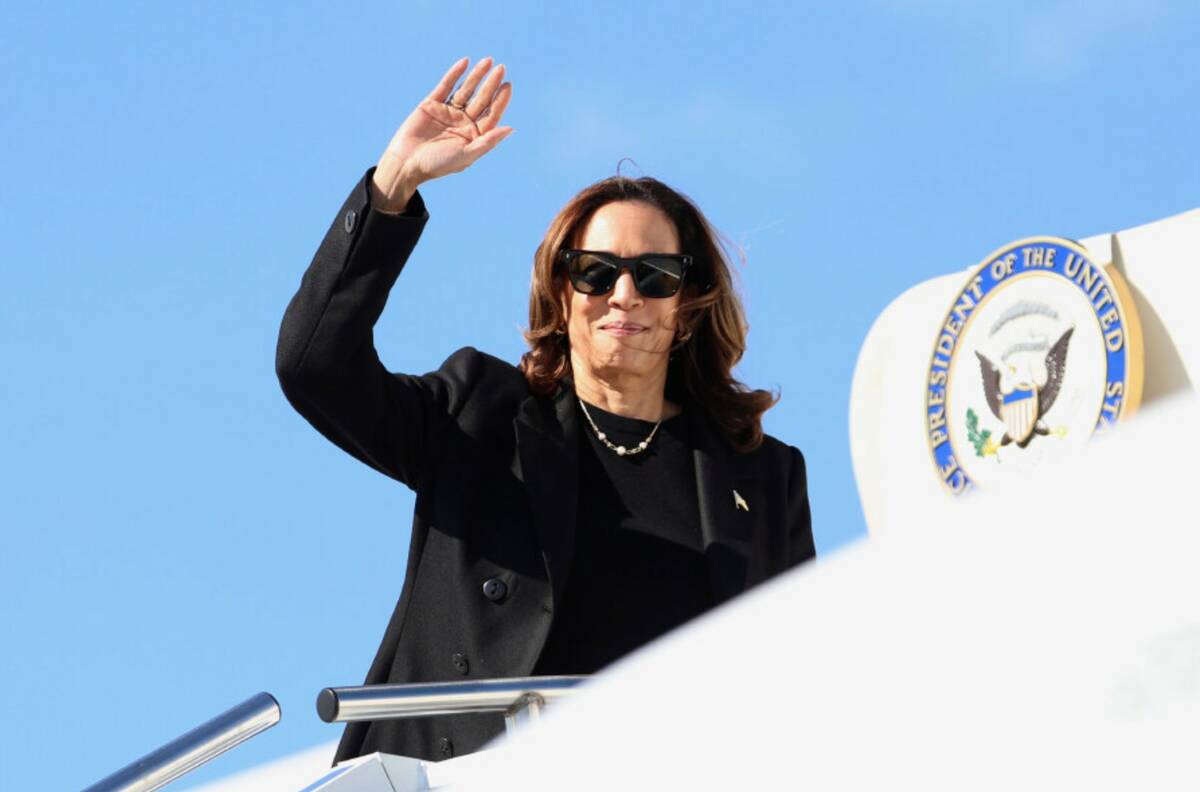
(1021, 408)
(1019, 411)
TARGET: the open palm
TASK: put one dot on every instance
(446, 133)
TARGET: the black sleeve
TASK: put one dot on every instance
(800, 536)
(326, 359)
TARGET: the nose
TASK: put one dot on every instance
(624, 294)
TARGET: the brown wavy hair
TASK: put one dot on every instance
(710, 324)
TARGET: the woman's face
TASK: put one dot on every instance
(622, 333)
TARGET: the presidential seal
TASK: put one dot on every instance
(1041, 348)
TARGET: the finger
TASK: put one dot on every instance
(486, 92)
(439, 93)
(492, 115)
(463, 94)
(486, 142)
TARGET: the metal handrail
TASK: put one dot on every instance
(391, 702)
(202, 744)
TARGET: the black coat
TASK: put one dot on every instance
(495, 473)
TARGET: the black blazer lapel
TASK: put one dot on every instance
(548, 455)
(727, 531)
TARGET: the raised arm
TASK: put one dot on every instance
(326, 359)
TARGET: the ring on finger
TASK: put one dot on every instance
(463, 108)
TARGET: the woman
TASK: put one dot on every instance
(614, 485)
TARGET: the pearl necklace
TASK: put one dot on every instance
(619, 450)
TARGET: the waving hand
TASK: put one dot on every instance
(444, 134)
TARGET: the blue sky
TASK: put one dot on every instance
(176, 538)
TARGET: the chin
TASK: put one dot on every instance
(619, 359)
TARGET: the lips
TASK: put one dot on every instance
(622, 328)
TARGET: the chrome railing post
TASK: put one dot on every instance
(202, 744)
(520, 699)
(525, 709)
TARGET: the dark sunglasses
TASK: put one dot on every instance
(655, 275)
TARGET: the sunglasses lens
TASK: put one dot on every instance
(591, 274)
(654, 276)
(659, 277)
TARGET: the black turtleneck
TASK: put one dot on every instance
(638, 568)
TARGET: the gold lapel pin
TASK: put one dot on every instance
(740, 502)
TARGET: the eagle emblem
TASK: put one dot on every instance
(1017, 313)
(1022, 406)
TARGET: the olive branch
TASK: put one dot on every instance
(985, 446)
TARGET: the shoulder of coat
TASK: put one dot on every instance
(492, 386)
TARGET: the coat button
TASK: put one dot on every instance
(494, 589)
(351, 220)
(460, 663)
(445, 747)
